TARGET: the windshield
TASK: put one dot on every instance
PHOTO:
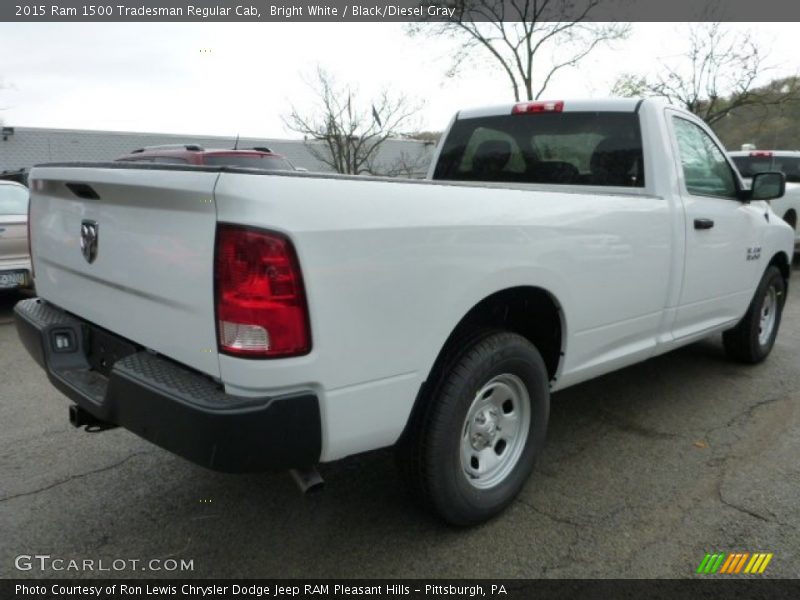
(250, 161)
(13, 200)
(750, 165)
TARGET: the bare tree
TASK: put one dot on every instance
(717, 74)
(532, 40)
(411, 165)
(345, 131)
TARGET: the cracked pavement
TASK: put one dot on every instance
(644, 471)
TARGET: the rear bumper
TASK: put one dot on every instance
(168, 404)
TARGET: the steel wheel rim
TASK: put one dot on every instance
(495, 431)
(767, 316)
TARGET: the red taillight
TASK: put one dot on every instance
(762, 153)
(524, 108)
(261, 306)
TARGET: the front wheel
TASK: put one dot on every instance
(482, 428)
(752, 339)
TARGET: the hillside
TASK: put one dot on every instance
(770, 127)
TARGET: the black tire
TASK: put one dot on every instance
(430, 453)
(743, 343)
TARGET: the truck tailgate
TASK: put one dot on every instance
(130, 250)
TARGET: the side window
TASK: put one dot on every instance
(705, 169)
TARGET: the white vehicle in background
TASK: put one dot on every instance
(787, 161)
(249, 319)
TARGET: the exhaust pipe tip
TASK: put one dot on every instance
(75, 415)
(308, 480)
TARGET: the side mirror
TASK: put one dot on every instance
(767, 186)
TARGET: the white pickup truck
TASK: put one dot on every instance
(786, 161)
(252, 320)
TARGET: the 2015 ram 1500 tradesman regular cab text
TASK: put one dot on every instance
(249, 320)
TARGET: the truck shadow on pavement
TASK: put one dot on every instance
(8, 298)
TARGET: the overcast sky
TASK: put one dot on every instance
(154, 77)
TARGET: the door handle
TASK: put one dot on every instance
(703, 223)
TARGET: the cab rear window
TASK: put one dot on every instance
(574, 148)
(750, 165)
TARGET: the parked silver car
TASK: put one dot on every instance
(15, 261)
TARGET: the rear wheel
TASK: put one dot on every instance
(752, 339)
(483, 425)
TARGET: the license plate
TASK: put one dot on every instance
(13, 279)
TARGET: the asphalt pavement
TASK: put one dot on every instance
(645, 471)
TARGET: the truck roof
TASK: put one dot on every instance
(590, 105)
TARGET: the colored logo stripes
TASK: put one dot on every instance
(734, 563)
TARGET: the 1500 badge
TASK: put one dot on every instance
(754, 253)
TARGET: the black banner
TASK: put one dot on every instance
(702, 587)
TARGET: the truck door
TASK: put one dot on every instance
(722, 257)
